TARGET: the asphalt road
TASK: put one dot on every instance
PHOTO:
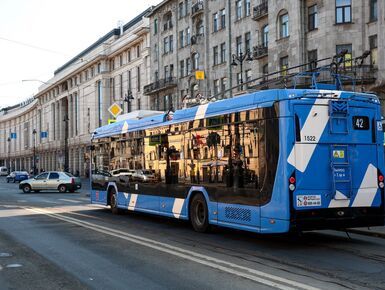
(60, 241)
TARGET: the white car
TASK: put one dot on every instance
(122, 171)
(143, 175)
(3, 171)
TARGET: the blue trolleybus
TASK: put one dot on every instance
(268, 162)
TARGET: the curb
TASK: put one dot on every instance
(367, 233)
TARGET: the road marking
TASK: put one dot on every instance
(70, 200)
(228, 267)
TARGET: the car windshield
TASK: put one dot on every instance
(147, 172)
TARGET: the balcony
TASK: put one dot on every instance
(197, 8)
(160, 85)
(197, 39)
(260, 10)
(260, 51)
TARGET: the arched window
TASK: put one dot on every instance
(265, 35)
(283, 18)
(195, 58)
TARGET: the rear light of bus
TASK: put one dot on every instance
(292, 182)
(380, 178)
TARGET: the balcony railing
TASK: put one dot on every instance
(197, 8)
(160, 85)
(260, 51)
(260, 10)
(197, 39)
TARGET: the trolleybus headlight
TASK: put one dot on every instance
(381, 184)
(292, 187)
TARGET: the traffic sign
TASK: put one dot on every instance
(199, 75)
(115, 110)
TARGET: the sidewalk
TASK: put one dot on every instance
(372, 231)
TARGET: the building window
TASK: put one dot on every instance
(249, 75)
(181, 68)
(171, 43)
(216, 87)
(238, 11)
(129, 80)
(223, 52)
(156, 52)
(347, 61)
(343, 11)
(181, 39)
(312, 59)
(181, 10)
(188, 66)
(100, 103)
(166, 45)
(312, 17)
(99, 68)
(138, 78)
(215, 22)
(138, 51)
(373, 49)
(188, 36)
(284, 25)
(215, 54)
(223, 84)
(373, 10)
(265, 36)
(247, 8)
(284, 65)
(195, 61)
(265, 71)
(247, 41)
(155, 26)
(239, 44)
(120, 60)
(239, 81)
(223, 18)
(128, 56)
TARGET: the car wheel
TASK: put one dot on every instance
(62, 188)
(26, 188)
(199, 217)
(114, 202)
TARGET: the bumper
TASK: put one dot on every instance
(75, 186)
(338, 218)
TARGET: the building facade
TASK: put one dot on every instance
(52, 131)
(173, 54)
(236, 42)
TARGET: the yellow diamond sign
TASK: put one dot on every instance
(115, 110)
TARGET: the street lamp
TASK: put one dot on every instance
(9, 153)
(239, 59)
(34, 151)
(65, 120)
(128, 97)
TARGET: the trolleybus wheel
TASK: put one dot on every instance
(199, 216)
(114, 202)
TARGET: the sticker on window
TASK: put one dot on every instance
(308, 200)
